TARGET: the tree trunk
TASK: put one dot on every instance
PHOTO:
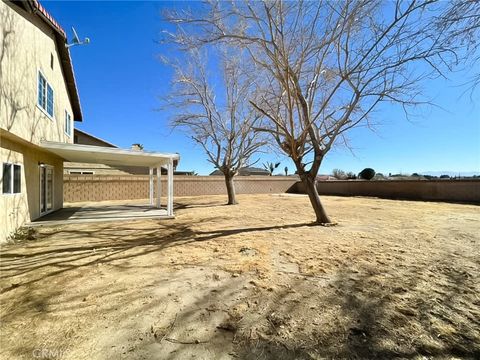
(311, 189)
(232, 200)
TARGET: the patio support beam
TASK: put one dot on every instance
(159, 186)
(150, 173)
(170, 188)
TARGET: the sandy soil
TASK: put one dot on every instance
(253, 281)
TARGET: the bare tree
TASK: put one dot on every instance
(325, 66)
(339, 174)
(218, 118)
(461, 21)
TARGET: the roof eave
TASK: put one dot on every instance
(70, 81)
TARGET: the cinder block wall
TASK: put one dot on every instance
(435, 190)
(78, 188)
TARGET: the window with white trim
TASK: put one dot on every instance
(45, 95)
(68, 124)
(11, 178)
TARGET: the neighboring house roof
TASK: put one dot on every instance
(186, 173)
(253, 171)
(34, 7)
(246, 171)
(94, 139)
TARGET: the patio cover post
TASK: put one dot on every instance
(170, 188)
(159, 186)
(150, 173)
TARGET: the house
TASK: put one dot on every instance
(39, 103)
(39, 100)
(83, 138)
(245, 171)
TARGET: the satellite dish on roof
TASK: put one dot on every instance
(76, 39)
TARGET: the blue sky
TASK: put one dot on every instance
(120, 80)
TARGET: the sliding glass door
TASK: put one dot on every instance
(46, 188)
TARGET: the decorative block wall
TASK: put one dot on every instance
(467, 191)
(78, 188)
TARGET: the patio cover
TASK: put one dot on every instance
(117, 157)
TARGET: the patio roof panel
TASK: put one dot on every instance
(108, 155)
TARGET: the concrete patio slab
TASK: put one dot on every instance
(100, 213)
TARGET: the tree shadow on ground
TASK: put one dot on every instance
(99, 245)
(103, 244)
(179, 205)
(370, 312)
(377, 318)
(220, 233)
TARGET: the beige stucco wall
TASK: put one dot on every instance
(16, 209)
(27, 45)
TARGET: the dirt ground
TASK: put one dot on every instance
(394, 279)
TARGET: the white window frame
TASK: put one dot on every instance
(12, 180)
(68, 119)
(47, 84)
